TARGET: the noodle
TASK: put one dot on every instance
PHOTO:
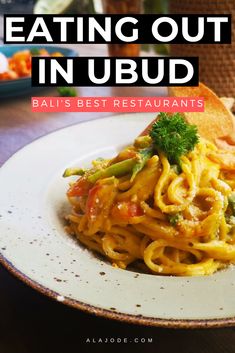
(131, 221)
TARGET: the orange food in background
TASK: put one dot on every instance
(20, 64)
(9, 75)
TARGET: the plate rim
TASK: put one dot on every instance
(95, 310)
(115, 315)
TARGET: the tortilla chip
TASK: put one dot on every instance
(216, 123)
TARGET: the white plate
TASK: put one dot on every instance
(36, 249)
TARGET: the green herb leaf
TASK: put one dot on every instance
(174, 219)
(173, 136)
(35, 51)
(231, 203)
(143, 156)
(67, 91)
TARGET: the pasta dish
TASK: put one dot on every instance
(165, 204)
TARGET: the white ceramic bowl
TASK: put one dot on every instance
(35, 247)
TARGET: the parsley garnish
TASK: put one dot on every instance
(173, 136)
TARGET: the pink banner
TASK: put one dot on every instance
(117, 104)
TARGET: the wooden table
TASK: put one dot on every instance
(32, 323)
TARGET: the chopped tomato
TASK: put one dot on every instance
(29, 63)
(126, 209)
(92, 204)
(80, 188)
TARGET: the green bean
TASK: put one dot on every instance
(117, 169)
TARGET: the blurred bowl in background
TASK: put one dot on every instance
(3, 63)
(21, 86)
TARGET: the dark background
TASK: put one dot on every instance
(16, 6)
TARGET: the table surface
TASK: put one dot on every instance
(32, 323)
